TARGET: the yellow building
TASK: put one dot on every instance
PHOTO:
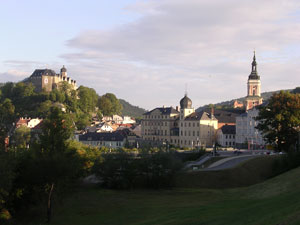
(46, 79)
(184, 128)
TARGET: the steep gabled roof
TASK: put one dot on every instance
(40, 72)
(115, 136)
(196, 116)
(224, 116)
(228, 129)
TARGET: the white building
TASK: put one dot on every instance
(247, 136)
(128, 120)
(104, 127)
(226, 136)
(110, 140)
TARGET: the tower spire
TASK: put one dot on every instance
(254, 64)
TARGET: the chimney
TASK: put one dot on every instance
(177, 108)
(212, 111)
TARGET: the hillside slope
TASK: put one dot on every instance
(264, 95)
(131, 110)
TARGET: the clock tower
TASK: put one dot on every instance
(253, 94)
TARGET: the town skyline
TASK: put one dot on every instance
(143, 52)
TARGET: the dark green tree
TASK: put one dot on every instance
(7, 118)
(279, 120)
(109, 104)
(53, 166)
(21, 137)
(87, 99)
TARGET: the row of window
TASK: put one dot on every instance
(156, 132)
(156, 116)
(160, 123)
(105, 143)
(229, 143)
(189, 124)
(192, 133)
(229, 136)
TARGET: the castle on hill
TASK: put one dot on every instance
(47, 79)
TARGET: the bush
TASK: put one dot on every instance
(286, 162)
(151, 170)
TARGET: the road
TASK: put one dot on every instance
(229, 162)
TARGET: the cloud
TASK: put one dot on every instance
(14, 76)
(205, 44)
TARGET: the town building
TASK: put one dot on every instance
(247, 136)
(184, 128)
(226, 136)
(160, 125)
(112, 140)
(28, 122)
(47, 79)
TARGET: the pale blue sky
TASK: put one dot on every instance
(146, 51)
(38, 29)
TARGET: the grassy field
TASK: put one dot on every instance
(275, 201)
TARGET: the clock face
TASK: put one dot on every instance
(46, 80)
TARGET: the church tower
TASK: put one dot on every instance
(253, 94)
(185, 107)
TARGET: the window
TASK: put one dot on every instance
(198, 133)
(181, 133)
(193, 133)
(193, 124)
(189, 124)
(189, 133)
(185, 133)
(198, 124)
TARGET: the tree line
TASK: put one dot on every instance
(21, 99)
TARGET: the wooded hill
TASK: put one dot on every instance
(131, 110)
(229, 104)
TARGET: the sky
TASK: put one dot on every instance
(150, 52)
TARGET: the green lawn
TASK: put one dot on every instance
(275, 201)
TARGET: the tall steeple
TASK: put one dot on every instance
(253, 94)
(254, 63)
(253, 75)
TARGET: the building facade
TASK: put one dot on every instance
(185, 127)
(160, 125)
(110, 140)
(247, 136)
(46, 79)
(226, 136)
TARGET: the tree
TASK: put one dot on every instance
(7, 164)
(279, 120)
(21, 137)
(54, 166)
(7, 117)
(109, 104)
(87, 99)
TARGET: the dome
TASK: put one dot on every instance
(63, 69)
(185, 103)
